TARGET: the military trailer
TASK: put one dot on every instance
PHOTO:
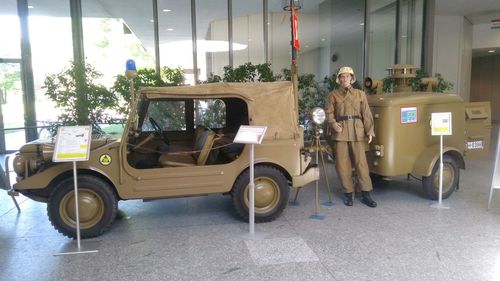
(177, 142)
(403, 143)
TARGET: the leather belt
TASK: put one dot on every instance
(347, 117)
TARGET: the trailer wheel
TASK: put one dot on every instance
(271, 193)
(451, 175)
(96, 201)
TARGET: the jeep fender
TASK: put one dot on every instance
(425, 161)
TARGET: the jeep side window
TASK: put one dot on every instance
(169, 114)
(210, 112)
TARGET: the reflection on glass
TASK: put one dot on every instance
(174, 27)
(382, 32)
(11, 37)
(330, 36)
(248, 31)
(11, 99)
(280, 54)
(410, 32)
(108, 43)
(212, 41)
(344, 36)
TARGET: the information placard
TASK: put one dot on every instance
(72, 144)
(250, 134)
(409, 115)
(441, 124)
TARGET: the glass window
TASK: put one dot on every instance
(382, 32)
(212, 42)
(341, 37)
(410, 32)
(52, 50)
(174, 26)
(11, 36)
(248, 32)
(330, 33)
(210, 113)
(108, 43)
(12, 111)
(280, 54)
(169, 115)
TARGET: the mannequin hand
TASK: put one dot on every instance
(370, 139)
(337, 127)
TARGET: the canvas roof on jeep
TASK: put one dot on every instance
(270, 104)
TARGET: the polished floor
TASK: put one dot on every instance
(200, 238)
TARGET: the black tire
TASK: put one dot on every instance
(271, 193)
(451, 175)
(96, 201)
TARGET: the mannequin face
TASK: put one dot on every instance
(345, 80)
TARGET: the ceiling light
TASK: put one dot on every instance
(170, 29)
(152, 20)
(166, 10)
(362, 24)
(31, 7)
(323, 39)
(491, 51)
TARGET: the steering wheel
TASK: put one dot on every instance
(158, 131)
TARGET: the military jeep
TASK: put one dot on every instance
(176, 142)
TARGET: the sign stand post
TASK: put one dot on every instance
(495, 180)
(251, 186)
(72, 145)
(441, 125)
(251, 135)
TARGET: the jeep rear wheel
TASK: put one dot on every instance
(97, 206)
(271, 193)
(451, 174)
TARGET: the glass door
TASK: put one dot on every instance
(12, 133)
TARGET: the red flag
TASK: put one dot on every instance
(295, 30)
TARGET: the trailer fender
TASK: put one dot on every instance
(425, 161)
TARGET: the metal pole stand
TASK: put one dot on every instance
(495, 180)
(319, 150)
(440, 204)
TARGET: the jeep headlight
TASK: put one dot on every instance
(19, 165)
(318, 115)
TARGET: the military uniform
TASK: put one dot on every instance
(349, 108)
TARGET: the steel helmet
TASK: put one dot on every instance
(346, 69)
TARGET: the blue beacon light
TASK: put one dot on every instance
(131, 70)
(130, 65)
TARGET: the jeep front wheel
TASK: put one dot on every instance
(271, 193)
(97, 206)
(451, 174)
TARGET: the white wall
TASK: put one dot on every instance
(485, 37)
(453, 52)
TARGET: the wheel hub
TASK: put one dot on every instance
(89, 205)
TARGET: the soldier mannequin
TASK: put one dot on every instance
(350, 119)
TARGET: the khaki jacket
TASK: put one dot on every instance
(343, 102)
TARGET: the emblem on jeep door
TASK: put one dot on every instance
(105, 159)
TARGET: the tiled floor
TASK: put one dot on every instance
(201, 238)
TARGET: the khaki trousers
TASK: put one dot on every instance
(343, 165)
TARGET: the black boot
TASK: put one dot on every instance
(348, 199)
(367, 199)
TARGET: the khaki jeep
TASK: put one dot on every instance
(177, 142)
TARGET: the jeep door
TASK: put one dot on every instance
(172, 150)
